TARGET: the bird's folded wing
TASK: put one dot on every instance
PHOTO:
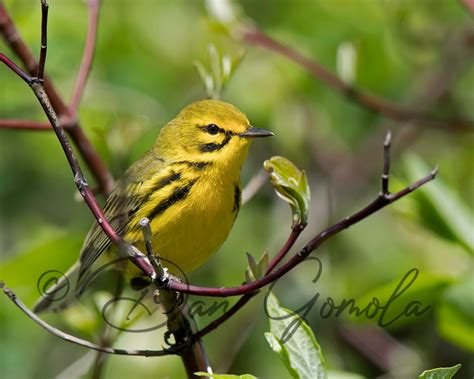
(128, 196)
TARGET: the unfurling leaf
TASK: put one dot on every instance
(291, 184)
(221, 68)
(256, 270)
(440, 373)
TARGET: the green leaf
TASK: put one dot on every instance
(224, 376)
(440, 373)
(221, 69)
(440, 208)
(279, 348)
(294, 342)
(455, 314)
(291, 184)
(336, 374)
(256, 270)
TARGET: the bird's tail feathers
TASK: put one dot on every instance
(61, 294)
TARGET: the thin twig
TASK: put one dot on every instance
(87, 57)
(78, 341)
(22, 51)
(382, 200)
(15, 68)
(137, 257)
(44, 38)
(38, 89)
(369, 101)
(295, 233)
(25, 125)
(254, 185)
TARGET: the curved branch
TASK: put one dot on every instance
(87, 57)
(78, 341)
(90, 155)
(295, 233)
(365, 99)
(383, 199)
(15, 68)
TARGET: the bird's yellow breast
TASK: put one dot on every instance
(192, 216)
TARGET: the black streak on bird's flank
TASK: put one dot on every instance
(179, 194)
(197, 165)
(210, 147)
(172, 177)
(163, 182)
(237, 198)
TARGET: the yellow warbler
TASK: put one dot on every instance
(187, 185)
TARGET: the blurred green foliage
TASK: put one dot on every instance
(143, 75)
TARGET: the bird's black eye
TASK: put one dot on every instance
(212, 129)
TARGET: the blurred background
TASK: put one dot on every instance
(418, 54)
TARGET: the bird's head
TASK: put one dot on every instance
(208, 130)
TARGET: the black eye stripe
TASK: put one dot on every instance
(213, 129)
(210, 147)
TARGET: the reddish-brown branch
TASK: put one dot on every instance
(193, 354)
(469, 4)
(369, 101)
(22, 51)
(383, 199)
(39, 90)
(87, 57)
(295, 233)
(15, 68)
(25, 125)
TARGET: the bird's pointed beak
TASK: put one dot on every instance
(253, 132)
